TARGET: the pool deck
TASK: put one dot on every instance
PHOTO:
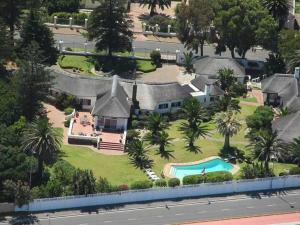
(167, 168)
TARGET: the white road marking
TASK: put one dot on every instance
(83, 224)
(131, 219)
(270, 205)
(107, 221)
(225, 210)
(178, 214)
(160, 216)
(250, 207)
(201, 212)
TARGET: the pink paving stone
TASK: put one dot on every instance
(259, 220)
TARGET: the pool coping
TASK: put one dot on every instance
(167, 167)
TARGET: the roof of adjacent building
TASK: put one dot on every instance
(201, 81)
(286, 86)
(288, 127)
(114, 103)
(149, 95)
(210, 66)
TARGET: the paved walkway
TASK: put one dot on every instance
(284, 219)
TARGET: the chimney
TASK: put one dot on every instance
(134, 92)
(297, 73)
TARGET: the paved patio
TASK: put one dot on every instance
(83, 124)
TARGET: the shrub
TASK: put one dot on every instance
(193, 179)
(145, 184)
(134, 124)
(161, 183)
(123, 187)
(173, 182)
(78, 18)
(255, 170)
(295, 171)
(68, 49)
(218, 177)
(67, 122)
(103, 185)
(162, 21)
(68, 111)
(156, 58)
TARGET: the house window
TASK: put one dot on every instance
(175, 104)
(212, 99)
(86, 101)
(163, 106)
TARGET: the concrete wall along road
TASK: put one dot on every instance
(163, 193)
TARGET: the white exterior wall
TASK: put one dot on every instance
(122, 123)
(88, 107)
(163, 193)
(169, 109)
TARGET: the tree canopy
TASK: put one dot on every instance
(152, 4)
(109, 25)
(62, 6)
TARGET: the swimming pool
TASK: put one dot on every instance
(212, 165)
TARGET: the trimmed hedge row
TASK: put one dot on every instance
(173, 182)
(212, 177)
(143, 184)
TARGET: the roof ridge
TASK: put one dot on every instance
(290, 123)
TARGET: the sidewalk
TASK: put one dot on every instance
(290, 219)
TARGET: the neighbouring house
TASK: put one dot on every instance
(205, 90)
(288, 127)
(90, 4)
(210, 66)
(282, 90)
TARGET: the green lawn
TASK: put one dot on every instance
(118, 170)
(145, 66)
(248, 99)
(297, 6)
(80, 62)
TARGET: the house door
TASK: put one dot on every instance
(110, 124)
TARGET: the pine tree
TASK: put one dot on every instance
(109, 25)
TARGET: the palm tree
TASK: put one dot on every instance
(153, 3)
(188, 62)
(227, 103)
(227, 125)
(279, 9)
(138, 155)
(43, 141)
(163, 140)
(155, 124)
(294, 148)
(267, 146)
(284, 112)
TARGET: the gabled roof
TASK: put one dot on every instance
(201, 80)
(278, 83)
(288, 127)
(114, 103)
(210, 66)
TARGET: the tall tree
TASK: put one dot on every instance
(227, 103)
(279, 9)
(109, 25)
(84, 182)
(266, 147)
(62, 6)
(32, 82)
(194, 128)
(42, 141)
(5, 43)
(138, 155)
(155, 124)
(193, 23)
(152, 4)
(226, 79)
(227, 125)
(34, 30)
(163, 140)
(241, 24)
(10, 12)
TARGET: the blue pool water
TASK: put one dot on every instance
(210, 166)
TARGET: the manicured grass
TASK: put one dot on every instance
(117, 169)
(248, 99)
(145, 66)
(297, 6)
(78, 62)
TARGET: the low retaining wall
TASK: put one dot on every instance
(163, 193)
(7, 207)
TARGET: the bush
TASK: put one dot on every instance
(123, 187)
(193, 179)
(78, 18)
(173, 182)
(161, 183)
(67, 122)
(64, 101)
(218, 177)
(295, 171)
(68, 111)
(103, 185)
(156, 58)
(162, 21)
(135, 124)
(255, 170)
(145, 184)
(68, 49)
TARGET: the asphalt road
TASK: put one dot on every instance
(179, 211)
(77, 41)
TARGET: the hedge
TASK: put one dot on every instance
(212, 177)
(161, 183)
(68, 111)
(144, 184)
(173, 182)
(295, 171)
(78, 18)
